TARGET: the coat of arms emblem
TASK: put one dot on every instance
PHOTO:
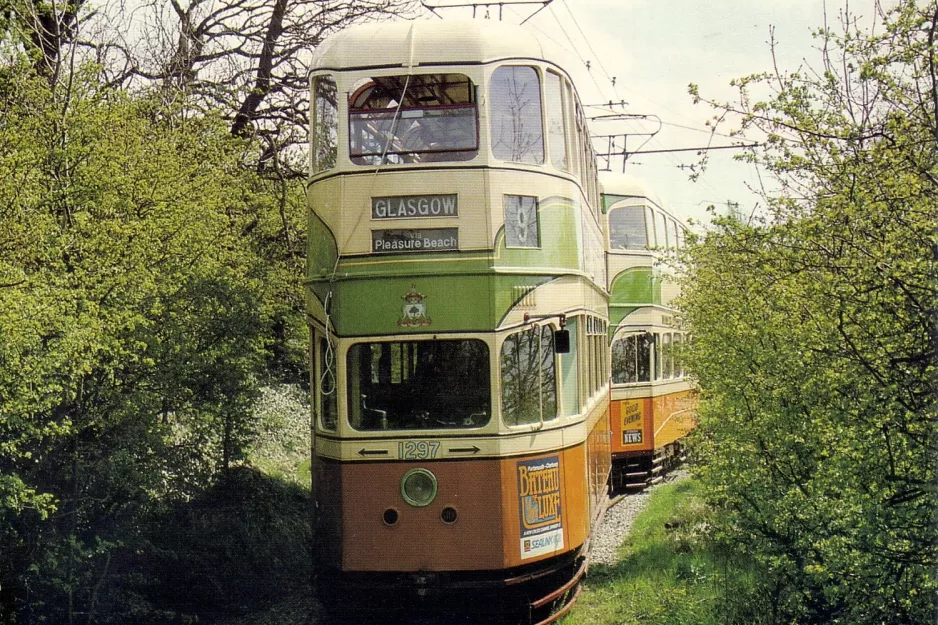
(414, 309)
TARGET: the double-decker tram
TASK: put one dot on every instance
(652, 402)
(456, 296)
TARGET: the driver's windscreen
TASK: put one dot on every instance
(418, 385)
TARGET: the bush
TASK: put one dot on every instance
(242, 545)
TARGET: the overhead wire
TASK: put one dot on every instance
(573, 50)
(674, 160)
(570, 47)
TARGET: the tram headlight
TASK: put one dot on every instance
(418, 487)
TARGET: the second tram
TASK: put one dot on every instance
(652, 401)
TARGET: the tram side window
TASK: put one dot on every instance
(627, 228)
(529, 377)
(650, 226)
(413, 119)
(556, 127)
(590, 368)
(631, 358)
(678, 345)
(571, 121)
(418, 385)
(515, 99)
(596, 353)
(604, 344)
(672, 229)
(325, 126)
(568, 367)
(662, 231)
(521, 221)
(645, 344)
(667, 356)
(580, 130)
(327, 386)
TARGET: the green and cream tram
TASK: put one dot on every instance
(652, 402)
(457, 301)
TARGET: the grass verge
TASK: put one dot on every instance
(670, 572)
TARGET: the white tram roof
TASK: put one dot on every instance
(414, 43)
(613, 183)
(629, 186)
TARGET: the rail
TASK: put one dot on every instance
(574, 581)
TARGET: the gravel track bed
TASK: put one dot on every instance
(618, 521)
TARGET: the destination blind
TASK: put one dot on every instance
(417, 240)
(411, 206)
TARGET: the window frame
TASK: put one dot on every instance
(499, 115)
(396, 394)
(412, 115)
(315, 153)
(543, 416)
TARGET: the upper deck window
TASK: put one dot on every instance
(413, 119)
(325, 124)
(418, 385)
(556, 126)
(517, 123)
(650, 226)
(627, 228)
(631, 358)
(662, 230)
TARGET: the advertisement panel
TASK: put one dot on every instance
(633, 414)
(541, 515)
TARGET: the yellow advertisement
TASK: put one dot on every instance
(633, 414)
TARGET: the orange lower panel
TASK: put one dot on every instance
(510, 512)
(674, 417)
(647, 423)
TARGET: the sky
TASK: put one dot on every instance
(655, 49)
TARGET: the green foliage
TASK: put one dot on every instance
(670, 571)
(815, 337)
(282, 447)
(134, 322)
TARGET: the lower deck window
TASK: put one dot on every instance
(529, 377)
(418, 385)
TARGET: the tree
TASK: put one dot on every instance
(815, 333)
(132, 326)
(245, 61)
